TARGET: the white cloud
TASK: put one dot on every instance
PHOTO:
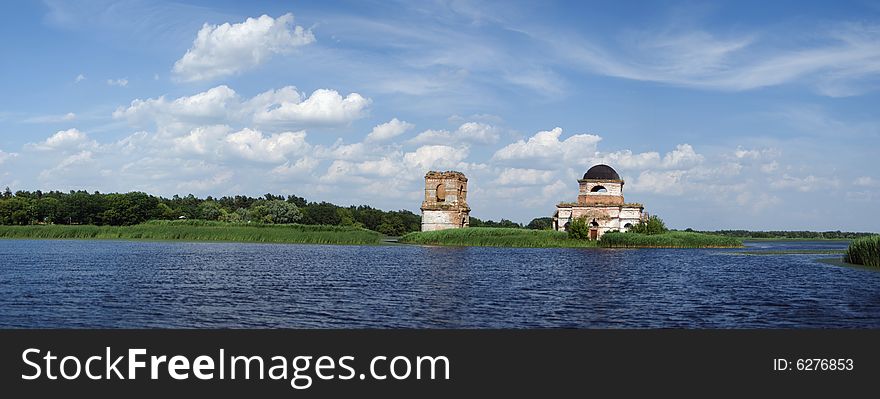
(222, 104)
(770, 167)
(301, 167)
(252, 145)
(682, 156)
(5, 156)
(804, 184)
(837, 63)
(470, 132)
(545, 146)
(324, 106)
(432, 157)
(228, 49)
(660, 182)
(62, 140)
(51, 118)
(79, 78)
(68, 164)
(121, 82)
(866, 181)
(389, 130)
(521, 176)
(201, 140)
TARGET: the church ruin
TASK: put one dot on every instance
(600, 201)
(445, 205)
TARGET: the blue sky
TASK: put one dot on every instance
(756, 115)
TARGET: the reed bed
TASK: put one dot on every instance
(864, 251)
(496, 237)
(672, 239)
(194, 230)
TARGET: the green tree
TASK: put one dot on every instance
(321, 213)
(47, 210)
(544, 223)
(210, 210)
(652, 225)
(578, 228)
(276, 211)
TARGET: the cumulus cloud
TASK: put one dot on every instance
(523, 176)
(216, 103)
(470, 132)
(5, 156)
(682, 156)
(323, 107)
(545, 146)
(389, 130)
(253, 145)
(79, 78)
(68, 164)
(62, 140)
(228, 49)
(221, 104)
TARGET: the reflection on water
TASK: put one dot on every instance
(170, 284)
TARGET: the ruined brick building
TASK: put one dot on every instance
(445, 205)
(600, 201)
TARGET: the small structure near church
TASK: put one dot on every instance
(600, 201)
(445, 205)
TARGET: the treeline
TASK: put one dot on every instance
(84, 208)
(816, 235)
(545, 223)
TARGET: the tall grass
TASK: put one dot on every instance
(672, 239)
(197, 230)
(864, 251)
(496, 237)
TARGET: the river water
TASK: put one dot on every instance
(137, 284)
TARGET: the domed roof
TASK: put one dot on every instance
(601, 172)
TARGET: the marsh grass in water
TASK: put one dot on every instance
(864, 251)
(199, 230)
(496, 237)
(672, 239)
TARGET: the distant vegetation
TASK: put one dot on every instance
(652, 233)
(84, 208)
(672, 239)
(864, 251)
(804, 235)
(194, 230)
(496, 237)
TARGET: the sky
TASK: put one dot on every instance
(723, 115)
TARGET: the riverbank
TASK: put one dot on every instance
(197, 230)
(671, 239)
(496, 237)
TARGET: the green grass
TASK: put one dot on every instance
(496, 237)
(672, 239)
(198, 230)
(864, 251)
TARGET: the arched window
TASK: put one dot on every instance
(628, 226)
(441, 192)
(599, 189)
(594, 223)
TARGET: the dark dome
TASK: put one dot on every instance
(601, 172)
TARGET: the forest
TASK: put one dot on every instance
(115, 209)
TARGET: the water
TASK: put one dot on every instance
(169, 284)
